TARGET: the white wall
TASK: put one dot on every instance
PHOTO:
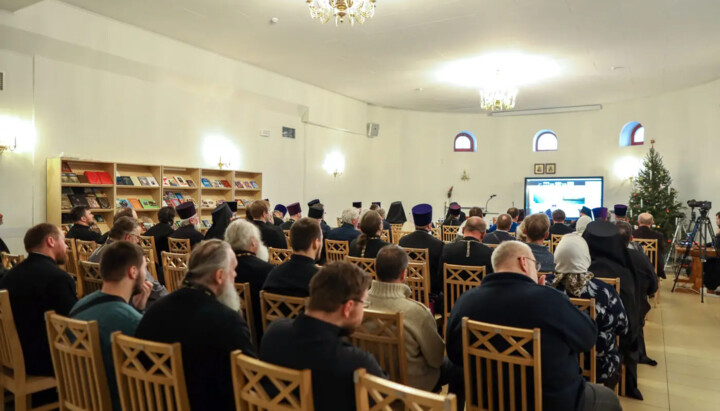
(97, 88)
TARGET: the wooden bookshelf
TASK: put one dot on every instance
(145, 194)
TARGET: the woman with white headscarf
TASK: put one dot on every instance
(572, 260)
(582, 223)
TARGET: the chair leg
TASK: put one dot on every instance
(21, 402)
(2, 398)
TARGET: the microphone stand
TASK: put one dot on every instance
(488, 201)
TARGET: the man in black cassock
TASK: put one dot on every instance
(470, 250)
(293, 276)
(272, 235)
(279, 214)
(221, 216)
(644, 230)
(162, 230)
(82, 220)
(422, 238)
(188, 224)
(295, 212)
(454, 216)
(558, 226)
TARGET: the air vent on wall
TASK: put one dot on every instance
(2, 81)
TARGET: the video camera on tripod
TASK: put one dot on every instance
(702, 205)
(700, 236)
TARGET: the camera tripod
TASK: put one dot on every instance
(701, 232)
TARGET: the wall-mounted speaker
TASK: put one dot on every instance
(373, 129)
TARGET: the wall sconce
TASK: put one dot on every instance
(221, 151)
(221, 164)
(6, 147)
(334, 164)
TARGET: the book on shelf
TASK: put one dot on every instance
(239, 184)
(172, 182)
(166, 202)
(92, 177)
(254, 184)
(205, 182)
(73, 178)
(65, 202)
(124, 181)
(136, 181)
(226, 184)
(175, 202)
(78, 200)
(122, 203)
(143, 181)
(64, 178)
(65, 167)
(170, 194)
(181, 181)
(217, 184)
(166, 182)
(92, 201)
(151, 180)
(247, 184)
(148, 203)
(135, 203)
(99, 219)
(190, 183)
(179, 196)
(105, 177)
(104, 202)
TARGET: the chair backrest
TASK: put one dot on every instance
(336, 250)
(85, 249)
(175, 266)
(385, 235)
(554, 241)
(11, 260)
(65, 228)
(89, 277)
(291, 390)
(493, 246)
(339, 221)
(491, 352)
(384, 394)
(287, 235)
(365, 264)
(395, 228)
(279, 255)
(11, 354)
(179, 245)
(418, 279)
(650, 246)
(513, 233)
(456, 280)
(243, 290)
(71, 258)
(397, 235)
(150, 375)
(274, 306)
(587, 360)
(546, 243)
(382, 335)
(79, 368)
(417, 255)
(150, 260)
(147, 242)
(615, 282)
(437, 232)
(449, 232)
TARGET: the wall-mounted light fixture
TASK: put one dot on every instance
(221, 151)
(5, 146)
(16, 134)
(334, 164)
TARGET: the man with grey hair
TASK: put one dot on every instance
(203, 317)
(252, 262)
(515, 297)
(348, 230)
(644, 230)
(502, 231)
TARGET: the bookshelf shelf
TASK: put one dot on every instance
(216, 188)
(94, 210)
(248, 190)
(121, 187)
(89, 185)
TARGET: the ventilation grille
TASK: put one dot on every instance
(2, 81)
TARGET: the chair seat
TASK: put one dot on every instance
(34, 383)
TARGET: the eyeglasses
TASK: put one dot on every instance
(537, 264)
(365, 303)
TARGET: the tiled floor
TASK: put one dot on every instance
(683, 336)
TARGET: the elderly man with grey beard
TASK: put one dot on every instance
(203, 317)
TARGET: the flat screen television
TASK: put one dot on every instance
(567, 193)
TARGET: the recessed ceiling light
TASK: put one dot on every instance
(419, 89)
(510, 68)
(274, 20)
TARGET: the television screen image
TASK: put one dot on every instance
(567, 193)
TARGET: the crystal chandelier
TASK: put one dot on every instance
(353, 10)
(498, 98)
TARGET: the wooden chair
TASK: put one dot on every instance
(365, 264)
(78, 363)
(456, 280)
(85, 249)
(179, 245)
(150, 375)
(279, 255)
(175, 266)
(9, 261)
(65, 228)
(395, 228)
(339, 221)
(650, 246)
(274, 306)
(493, 246)
(449, 232)
(89, 277)
(418, 255)
(547, 243)
(336, 250)
(385, 235)
(554, 241)
(12, 373)
(397, 235)
(148, 243)
(291, 389)
(437, 232)
(383, 335)
(150, 260)
(514, 234)
(287, 235)
(71, 258)
(489, 352)
(587, 360)
(246, 308)
(418, 279)
(615, 282)
(387, 395)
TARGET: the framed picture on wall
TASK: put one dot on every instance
(539, 168)
(550, 168)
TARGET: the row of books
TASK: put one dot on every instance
(138, 204)
(243, 202)
(178, 181)
(147, 181)
(88, 197)
(88, 177)
(215, 183)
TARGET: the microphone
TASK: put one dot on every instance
(488, 201)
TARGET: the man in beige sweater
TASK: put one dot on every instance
(427, 368)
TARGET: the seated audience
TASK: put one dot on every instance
(536, 229)
(426, 367)
(295, 212)
(514, 214)
(119, 213)
(293, 276)
(252, 266)
(348, 229)
(558, 226)
(122, 269)
(128, 229)
(82, 220)
(645, 231)
(501, 232)
(422, 238)
(37, 285)
(396, 213)
(279, 214)
(474, 212)
(512, 297)
(203, 317)
(582, 223)
(600, 213)
(572, 260)
(162, 230)
(368, 243)
(454, 216)
(381, 211)
(620, 212)
(221, 216)
(316, 339)
(189, 223)
(470, 250)
(272, 235)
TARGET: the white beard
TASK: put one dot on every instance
(263, 253)
(229, 297)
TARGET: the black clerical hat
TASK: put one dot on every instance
(422, 214)
(186, 210)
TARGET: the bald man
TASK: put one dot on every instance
(644, 230)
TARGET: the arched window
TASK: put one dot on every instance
(632, 134)
(545, 140)
(465, 141)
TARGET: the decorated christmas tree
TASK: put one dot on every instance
(653, 194)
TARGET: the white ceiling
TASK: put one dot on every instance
(662, 45)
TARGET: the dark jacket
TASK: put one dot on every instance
(277, 221)
(543, 256)
(386, 225)
(161, 232)
(468, 251)
(84, 233)
(647, 232)
(208, 332)
(188, 232)
(253, 270)
(513, 227)
(221, 220)
(497, 237)
(272, 235)
(648, 279)
(309, 343)
(372, 247)
(37, 285)
(560, 229)
(3, 248)
(515, 300)
(287, 224)
(292, 277)
(346, 232)
(424, 239)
